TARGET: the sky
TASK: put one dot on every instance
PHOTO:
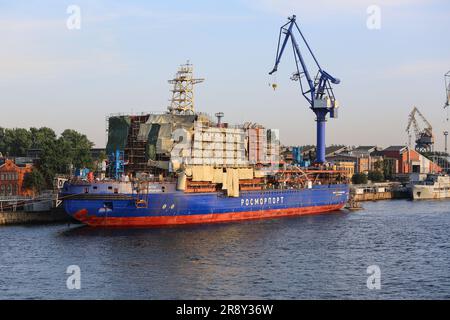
(121, 57)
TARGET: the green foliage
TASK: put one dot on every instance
(42, 137)
(102, 156)
(78, 147)
(53, 160)
(359, 178)
(388, 170)
(376, 176)
(15, 142)
(34, 180)
(99, 160)
(58, 155)
(2, 141)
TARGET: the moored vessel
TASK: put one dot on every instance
(183, 167)
(434, 186)
(97, 204)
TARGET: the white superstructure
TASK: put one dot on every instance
(433, 187)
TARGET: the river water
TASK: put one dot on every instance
(314, 257)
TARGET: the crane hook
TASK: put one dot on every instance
(273, 82)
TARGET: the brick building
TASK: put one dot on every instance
(347, 166)
(11, 178)
(409, 161)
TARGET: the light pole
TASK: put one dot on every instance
(445, 135)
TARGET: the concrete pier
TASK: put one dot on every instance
(22, 217)
(378, 191)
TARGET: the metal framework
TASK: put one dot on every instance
(447, 90)
(135, 149)
(116, 164)
(318, 92)
(182, 101)
(424, 137)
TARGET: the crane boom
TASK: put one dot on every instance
(424, 137)
(447, 89)
(318, 92)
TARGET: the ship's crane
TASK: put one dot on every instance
(424, 137)
(317, 92)
(447, 89)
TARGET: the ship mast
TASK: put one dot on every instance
(182, 101)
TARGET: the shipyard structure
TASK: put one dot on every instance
(183, 166)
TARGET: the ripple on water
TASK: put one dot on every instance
(324, 257)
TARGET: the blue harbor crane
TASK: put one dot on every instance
(116, 164)
(317, 92)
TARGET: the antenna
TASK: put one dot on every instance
(219, 116)
(182, 101)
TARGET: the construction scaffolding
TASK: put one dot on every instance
(135, 149)
(182, 101)
(166, 143)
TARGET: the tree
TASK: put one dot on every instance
(80, 148)
(50, 162)
(42, 137)
(34, 180)
(70, 150)
(376, 176)
(15, 142)
(99, 160)
(359, 178)
(2, 141)
(58, 155)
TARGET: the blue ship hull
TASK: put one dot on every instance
(172, 208)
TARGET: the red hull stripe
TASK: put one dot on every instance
(199, 218)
